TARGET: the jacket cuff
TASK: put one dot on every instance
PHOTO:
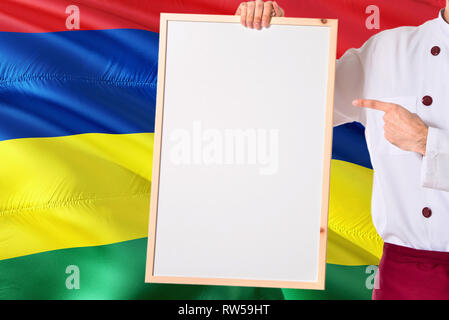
(435, 164)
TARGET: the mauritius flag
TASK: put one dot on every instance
(77, 104)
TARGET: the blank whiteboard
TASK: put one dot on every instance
(242, 152)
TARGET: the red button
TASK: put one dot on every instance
(427, 100)
(426, 212)
(435, 50)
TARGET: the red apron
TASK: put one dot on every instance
(406, 273)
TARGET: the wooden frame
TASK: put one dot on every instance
(320, 284)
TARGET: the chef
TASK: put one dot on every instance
(396, 86)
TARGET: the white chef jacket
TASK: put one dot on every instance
(408, 66)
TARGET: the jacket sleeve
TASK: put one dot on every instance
(435, 164)
(350, 83)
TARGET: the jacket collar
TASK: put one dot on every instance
(443, 24)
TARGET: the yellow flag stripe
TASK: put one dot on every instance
(94, 189)
(352, 238)
(73, 191)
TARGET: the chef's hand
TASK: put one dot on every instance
(257, 14)
(402, 128)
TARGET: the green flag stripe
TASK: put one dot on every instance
(116, 271)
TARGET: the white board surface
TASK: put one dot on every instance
(243, 154)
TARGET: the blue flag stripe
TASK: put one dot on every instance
(98, 81)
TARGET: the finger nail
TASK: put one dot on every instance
(355, 102)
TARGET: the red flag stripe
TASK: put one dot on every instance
(50, 15)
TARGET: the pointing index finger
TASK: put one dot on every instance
(373, 104)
